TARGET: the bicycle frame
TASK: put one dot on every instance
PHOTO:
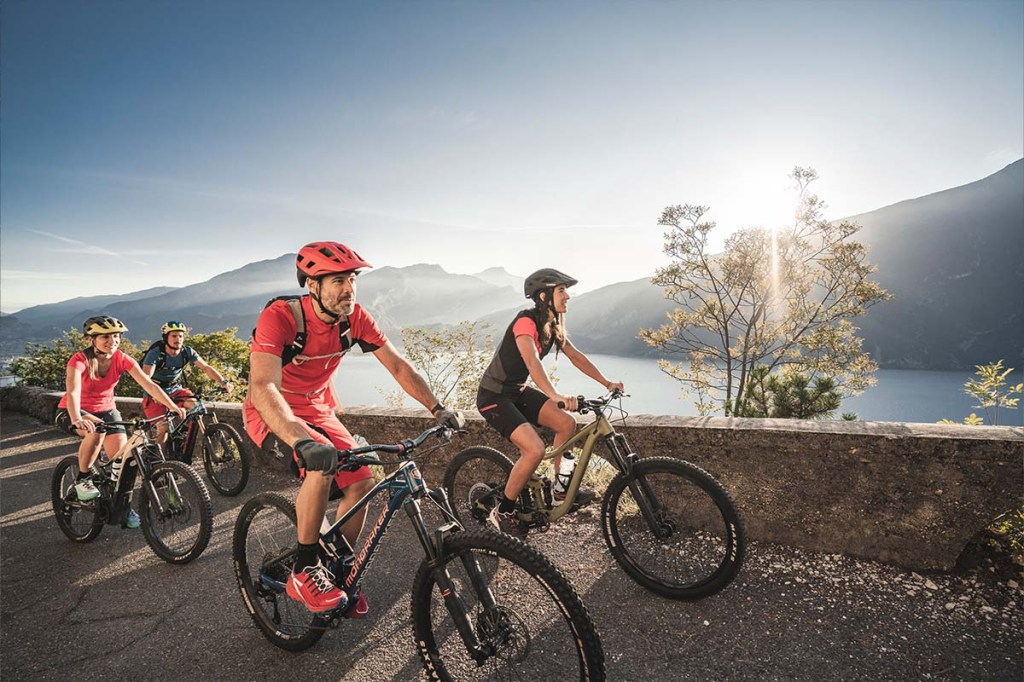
(406, 488)
(138, 441)
(586, 438)
(192, 432)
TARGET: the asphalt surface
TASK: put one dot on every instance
(112, 610)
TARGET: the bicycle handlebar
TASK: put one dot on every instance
(136, 424)
(584, 405)
(349, 460)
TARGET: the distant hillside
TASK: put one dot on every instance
(954, 262)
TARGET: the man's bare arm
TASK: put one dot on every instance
(406, 375)
(265, 389)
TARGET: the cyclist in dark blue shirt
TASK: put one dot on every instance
(165, 361)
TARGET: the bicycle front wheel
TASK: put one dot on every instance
(226, 459)
(527, 618)
(177, 515)
(475, 481)
(673, 528)
(80, 521)
(263, 549)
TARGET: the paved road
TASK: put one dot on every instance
(112, 610)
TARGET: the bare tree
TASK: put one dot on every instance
(783, 299)
(452, 360)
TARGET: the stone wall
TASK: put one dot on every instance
(906, 494)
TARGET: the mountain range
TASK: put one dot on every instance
(953, 260)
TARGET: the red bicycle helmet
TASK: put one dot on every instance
(322, 258)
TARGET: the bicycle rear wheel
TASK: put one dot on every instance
(537, 628)
(697, 541)
(80, 521)
(177, 515)
(475, 481)
(226, 459)
(263, 549)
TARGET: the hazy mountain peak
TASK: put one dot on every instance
(500, 277)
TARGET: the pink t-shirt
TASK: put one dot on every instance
(98, 394)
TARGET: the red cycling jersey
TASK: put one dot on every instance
(306, 381)
(98, 394)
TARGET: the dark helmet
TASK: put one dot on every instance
(103, 324)
(546, 278)
(323, 258)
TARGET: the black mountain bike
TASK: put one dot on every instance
(173, 505)
(225, 457)
(484, 605)
(670, 525)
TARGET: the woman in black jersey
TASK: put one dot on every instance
(513, 409)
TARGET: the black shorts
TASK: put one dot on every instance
(505, 413)
(63, 421)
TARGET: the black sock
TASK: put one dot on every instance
(506, 506)
(82, 475)
(305, 556)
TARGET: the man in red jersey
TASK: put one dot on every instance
(291, 395)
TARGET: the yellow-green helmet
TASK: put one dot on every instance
(103, 324)
(173, 326)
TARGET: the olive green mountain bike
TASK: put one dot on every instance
(670, 525)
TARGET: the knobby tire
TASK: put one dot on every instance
(539, 628)
(228, 471)
(474, 481)
(265, 530)
(705, 537)
(179, 523)
(79, 521)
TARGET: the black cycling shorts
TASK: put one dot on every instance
(505, 413)
(63, 421)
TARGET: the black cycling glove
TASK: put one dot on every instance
(316, 456)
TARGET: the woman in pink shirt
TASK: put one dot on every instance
(91, 377)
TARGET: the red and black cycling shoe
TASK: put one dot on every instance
(314, 587)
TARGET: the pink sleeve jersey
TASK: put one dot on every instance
(98, 394)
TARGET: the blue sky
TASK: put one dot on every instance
(162, 143)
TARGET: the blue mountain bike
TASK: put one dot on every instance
(484, 605)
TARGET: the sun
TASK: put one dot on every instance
(761, 195)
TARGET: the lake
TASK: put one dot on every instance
(901, 395)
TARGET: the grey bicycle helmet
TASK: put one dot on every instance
(545, 278)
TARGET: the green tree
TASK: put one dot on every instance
(452, 360)
(789, 396)
(782, 299)
(992, 392)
